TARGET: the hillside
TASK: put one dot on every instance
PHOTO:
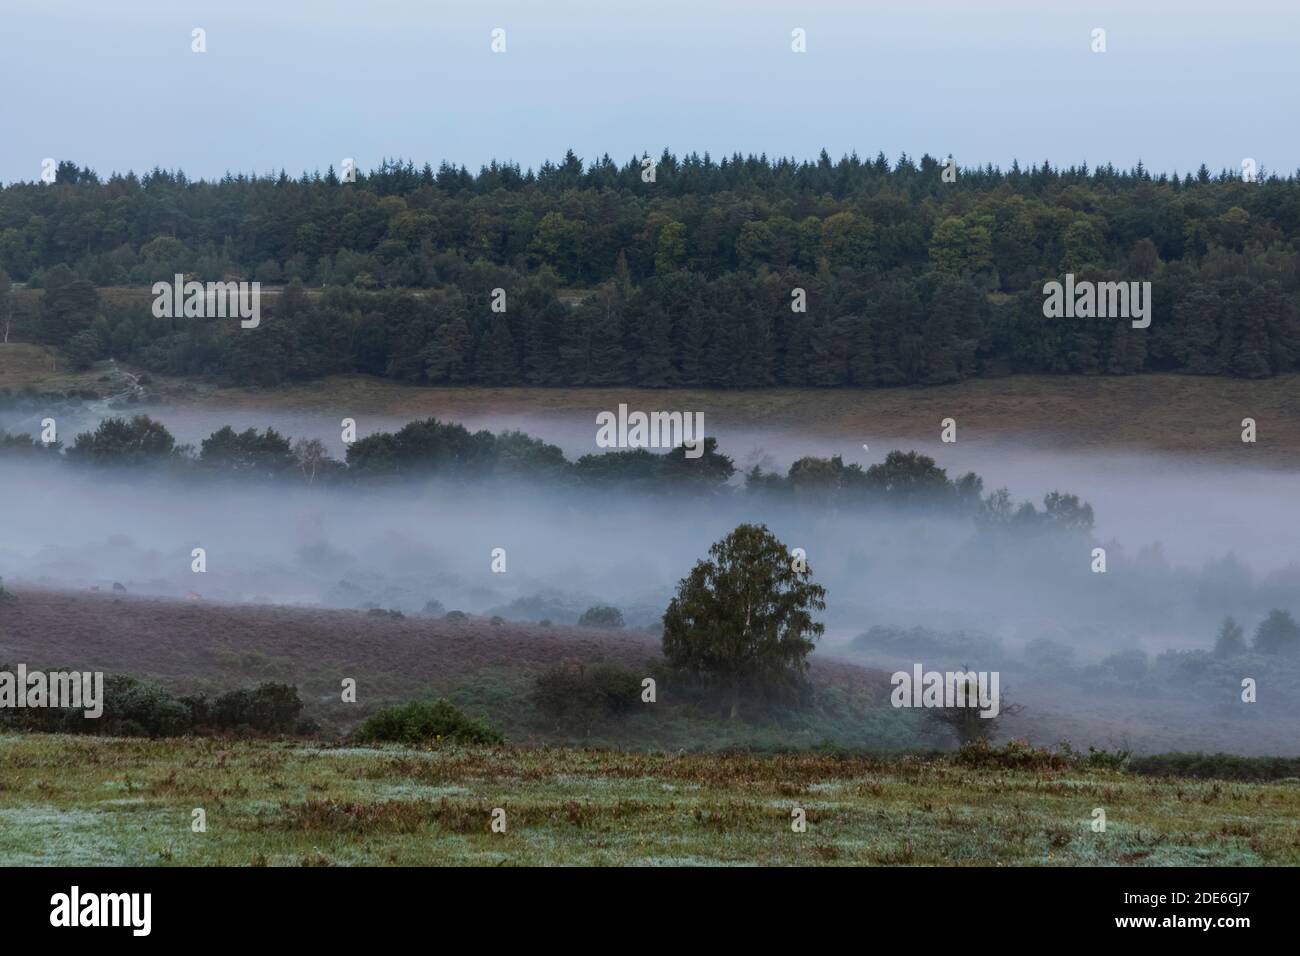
(487, 669)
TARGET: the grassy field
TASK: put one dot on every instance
(1199, 416)
(1171, 413)
(86, 801)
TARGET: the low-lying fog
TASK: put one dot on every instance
(1186, 543)
(1196, 512)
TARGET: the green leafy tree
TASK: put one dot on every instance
(742, 619)
(909, 477)
(117, 441)
(266, 455)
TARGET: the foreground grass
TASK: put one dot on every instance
(79, 800)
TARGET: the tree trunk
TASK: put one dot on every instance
(735, 700)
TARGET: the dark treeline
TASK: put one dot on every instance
(435, 449)
(684, 281)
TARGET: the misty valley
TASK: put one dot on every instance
(959, 574)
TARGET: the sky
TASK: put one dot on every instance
(303, 84)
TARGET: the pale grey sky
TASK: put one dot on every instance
(300, 84)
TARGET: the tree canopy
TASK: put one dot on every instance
(742, 619)
(686, 281)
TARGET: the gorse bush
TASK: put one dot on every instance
(422, 722)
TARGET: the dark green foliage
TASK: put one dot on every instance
(268, 708)
(117, 441)
(903, 478)
(601, 616)
(604, 690)
(742, 619)
(908, 280)
(425, 446)
(430, 448)
(136, 708)
(1218, 766)
(265, 455)
(1021, 755)
(1278, 634)
(424, 722)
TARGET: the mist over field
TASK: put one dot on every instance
(1186, 543)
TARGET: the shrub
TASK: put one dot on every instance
(1216, 766)
(557, 691)
(1277, 634)
(968, 722)
(615, 690)
(422, 721)
(268, 708)
(601, 616)
(136, 708)
(605, 690)
(1016, 755)
(455, 616)
(433, 608)
(6, 596)
(131, 708)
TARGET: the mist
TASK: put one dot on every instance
(1186, 545)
